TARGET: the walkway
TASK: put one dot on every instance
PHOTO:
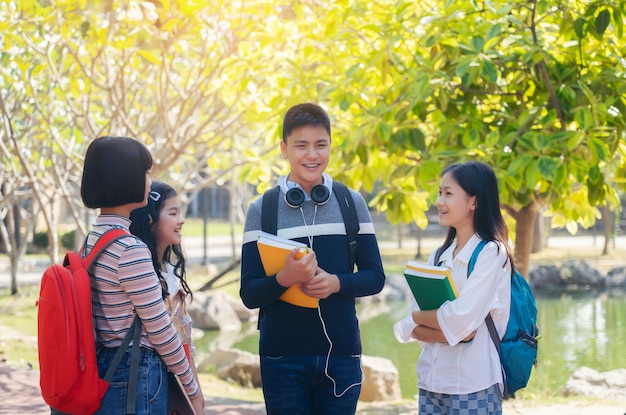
(19, 394)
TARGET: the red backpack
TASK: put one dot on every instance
(68, 367)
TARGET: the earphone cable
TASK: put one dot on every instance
(309, 229)
(330, 348)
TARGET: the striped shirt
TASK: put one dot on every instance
(125, 282)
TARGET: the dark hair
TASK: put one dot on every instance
(114, 173)
(478, 179)
(142, 221)
(304, 115)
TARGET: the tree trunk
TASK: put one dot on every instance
(418, 236)
(525, 223)
(13, 276)
(538, 234)
(608, 217)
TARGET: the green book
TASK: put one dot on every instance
(431, 285)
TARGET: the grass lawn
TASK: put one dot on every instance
(195, 227)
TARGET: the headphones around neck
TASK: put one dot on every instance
(295, 197)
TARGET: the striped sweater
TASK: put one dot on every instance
(125, 282)
(286, 329)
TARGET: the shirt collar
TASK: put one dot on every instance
(465, 254)
(113, 220)
(468, 249)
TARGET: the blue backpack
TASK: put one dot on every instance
(518, 347)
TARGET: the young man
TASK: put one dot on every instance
(310, 357)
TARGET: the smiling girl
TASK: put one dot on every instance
(159, 225)
(459, 367)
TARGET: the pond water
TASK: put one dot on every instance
(577, 329)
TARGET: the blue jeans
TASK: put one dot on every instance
(152, 385)
(302, 385)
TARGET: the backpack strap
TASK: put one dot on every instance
(493, 333)
(488, 320)
(134, 332)
(106, 239)
(269, 211)
(350, 217)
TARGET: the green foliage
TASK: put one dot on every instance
(68, 239)
(40, 239)
(535, 89)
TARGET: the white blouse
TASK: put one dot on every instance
(457, 368)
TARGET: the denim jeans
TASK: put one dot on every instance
(301, 385)
(152, 385)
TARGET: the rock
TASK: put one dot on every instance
(234, 365)
(381, 380)
(397, 288)
(579, 273)
(545, 276)
(243, 312)
(589, 382)
(213, 310)
(616, 277)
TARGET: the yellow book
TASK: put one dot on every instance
(273, 251)
(431, 285)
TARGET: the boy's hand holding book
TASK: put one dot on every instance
(298, 268)
(293, 264)
(322, 286)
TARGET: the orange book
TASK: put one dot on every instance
(273, 251)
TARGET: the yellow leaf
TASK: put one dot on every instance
(150, 57)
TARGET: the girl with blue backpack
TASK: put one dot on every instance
(459, 370)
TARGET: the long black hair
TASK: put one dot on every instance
(478, 179)
(142, 221)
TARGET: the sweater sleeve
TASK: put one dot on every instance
(138, 279)
(256, 289)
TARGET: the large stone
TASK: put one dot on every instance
(545, 276)
(396, 288)
(234, 366)
(579, 273)
(589, 382)
(381, 381)
(213, 310)
(616, 277)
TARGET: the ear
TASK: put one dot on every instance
(472, 202)
(283, 149)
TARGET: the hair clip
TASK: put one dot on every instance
(156, 196)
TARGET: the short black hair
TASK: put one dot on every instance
(301, 115)
(114, 173)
